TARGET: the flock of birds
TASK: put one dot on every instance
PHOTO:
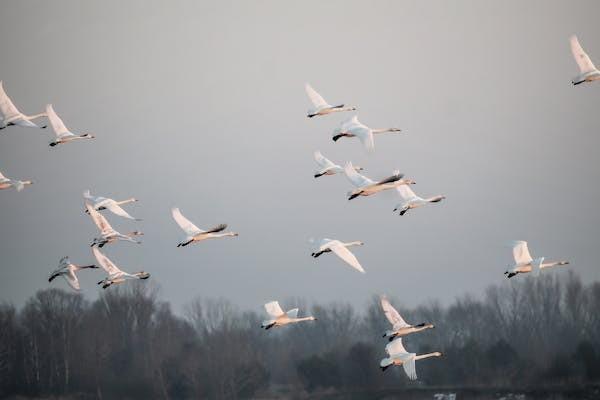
(363, 186)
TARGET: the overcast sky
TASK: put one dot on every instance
(201, 105)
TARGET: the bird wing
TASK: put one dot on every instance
(3, 178)
(364, 134)
(94, 199)
(218, 228)
(293, 313)
(116, 209)
(391, 179)
(406, 193)
(105, 263)
(273, 309)
(315, 97)
(7, 108)
(392, 314)
(57, 124)
(99, 220)
(322, 160)
(184, 223)
(71, 279)
(409, 367)
(581, 57)
(395, 347)
(355, 178)
(342, 252)
(521, 252)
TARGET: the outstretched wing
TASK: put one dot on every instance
(355, 178)
(395, 347)
(7, 108)
(342, 252)
(88, 196)
(184, 223)
(365, 135)
(406, 193)
(57, 124)
(581, 57)
(116, 209)
(3, 178)
(392, 315)
(521, 252)
(273, 309)
(218, 228)
(99, 219)
(322, 160)
(409, 367)
(315, 98)
(105, 263)
(293, 313)
(71, 279)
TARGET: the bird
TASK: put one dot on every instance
(367, 187)
(107, 233)
(67, 270)
(352, 127)
(411, 200)
(399, 326)
(524, 263)
(399, 356)
(321, 107)
(115, 275)
(280, 318)
(63, 135)
(102, 203)
(328, 167)
(195, 234)
(340, 249)
(6, 183)
(588, 71)
(11, 116)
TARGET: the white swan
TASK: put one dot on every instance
(399, 326)
(11, 116)
(367, 187)
(63, 135)
(115, 275)
(352, 127)
(340, 249)
(67, 270)
(107, 233)
(524, 263)
(399, 356)
(280, 318)
(195, 234)
(6, 183)
(411, 200)
(587, 69)
(328, 167)
(321, 107)
(102, 203)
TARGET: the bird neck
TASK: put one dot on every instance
(353, 244)
(383, 130)
(303, 319)
(130, 200)
(35, 116)
(422, 356)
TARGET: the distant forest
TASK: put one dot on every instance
(128, 344)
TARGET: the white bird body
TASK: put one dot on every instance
(68, 270)
(63, 135)
(399, 356)
(115, 275)
(524, 263)
(11, 116)
(6, 183)
(367, 187)
(340, 249)
(410, 200)
(352, 127)
(281, 318)
(327, 166)
(107, 233)
(399, 325)
(320, 106)
(102, 203)
(195, 234)
(587, 69)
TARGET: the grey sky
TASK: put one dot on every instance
(201, 105)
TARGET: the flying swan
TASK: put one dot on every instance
(340, 249)
(195, 234)
(280, 318)
(524, 263)
(102, 203)
(399, 356)
(63, 135)
(107, 233)
(321, 107)
(68, 270)
(399, 326)
(352, 127)
(411, 200)
(328, 167)
(6, 183)
(588, 71)
(11, 116)
(367, 187)
(115, 275)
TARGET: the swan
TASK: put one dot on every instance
(67, 270)
(524, 263)
(328, 167)
(588, 71)
(11, 116)
(63, 135)
(340, 249)
(6, 183)
(367, 187)
(321, 107)
(102, 203)
(195, 234)
(107, 233)
(280, 318)
(399, 356)
(115, 275)
(352, 127)
(399, 326)
(411, 200)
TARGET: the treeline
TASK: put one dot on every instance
(129, 344)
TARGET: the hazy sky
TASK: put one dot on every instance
(201, 105)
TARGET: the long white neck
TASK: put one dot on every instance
(422, 356)
(553, 264)
(350, 108)
(352, 244)
(302, 319)
(35, 116)
(384, 130)
(130, 200)
(217, 235)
